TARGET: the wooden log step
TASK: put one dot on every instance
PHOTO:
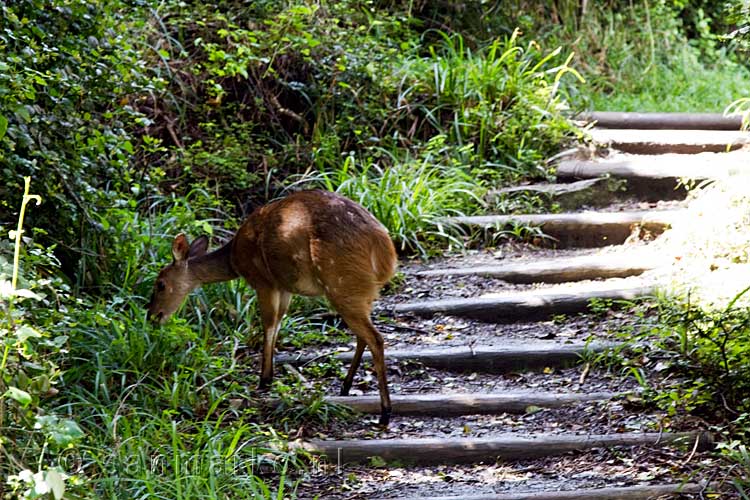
(568, 220)
(669, 141)
(431, 451)
(673, 121)
(445, 405)
(657, 177)
(651, 168)
(526, 305)
(577, 229)
(561, 270)
(642, 492)
(670, 165)
(594, 192)
(509, 357)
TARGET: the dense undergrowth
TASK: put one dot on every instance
(138, 120)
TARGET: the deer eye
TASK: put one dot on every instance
(160, 286)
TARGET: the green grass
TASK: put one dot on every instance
(410, 196)
(143, 411)
(173, 412)
(635, 59)
(682, 84)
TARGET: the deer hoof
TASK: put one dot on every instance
(385, 417)
(264, 385)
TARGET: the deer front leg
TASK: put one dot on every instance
(273, 305)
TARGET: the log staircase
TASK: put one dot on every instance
(596, 251)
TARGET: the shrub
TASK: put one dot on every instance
(68, 69)
(33, 442)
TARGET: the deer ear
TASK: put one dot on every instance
(198, 247)
(180, 248)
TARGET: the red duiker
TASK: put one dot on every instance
(310, 243)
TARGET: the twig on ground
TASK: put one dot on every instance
(584, 373)
(296, 373)
(692, 453)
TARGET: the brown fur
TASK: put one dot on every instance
(310, 243)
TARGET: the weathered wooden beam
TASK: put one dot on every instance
(444, 405)
(489, 449)
(568, 196)
(560, 270)
(641, 492)
(527, 305)
(580, 229)
(674, 121)
(505, 358)
(669, 141)
(657, 177)
(698, 166)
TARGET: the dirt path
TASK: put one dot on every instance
(490, 352)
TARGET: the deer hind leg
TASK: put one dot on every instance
(347, 385)
(273, 305)
(367, 334)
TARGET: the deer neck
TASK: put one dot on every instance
(213, 267)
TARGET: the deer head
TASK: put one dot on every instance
(176, 280)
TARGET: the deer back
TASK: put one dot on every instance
(314, 243)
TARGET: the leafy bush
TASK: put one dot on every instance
(311, 92)
(67, 71)
(710, 347)
(34, 443)
(693, 360)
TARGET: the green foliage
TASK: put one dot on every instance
(642, 58)
(698, 365)
(28, 375)
(660, 55)
(221, 160)
(67, 68)
(320, 92)
(739, 16)
(500, 102)
(284, 72)
(711, 347)
(694, 353)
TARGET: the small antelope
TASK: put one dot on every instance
(310, 243)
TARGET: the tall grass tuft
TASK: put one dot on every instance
(410, 196)
(498, 105)
(503, 99)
